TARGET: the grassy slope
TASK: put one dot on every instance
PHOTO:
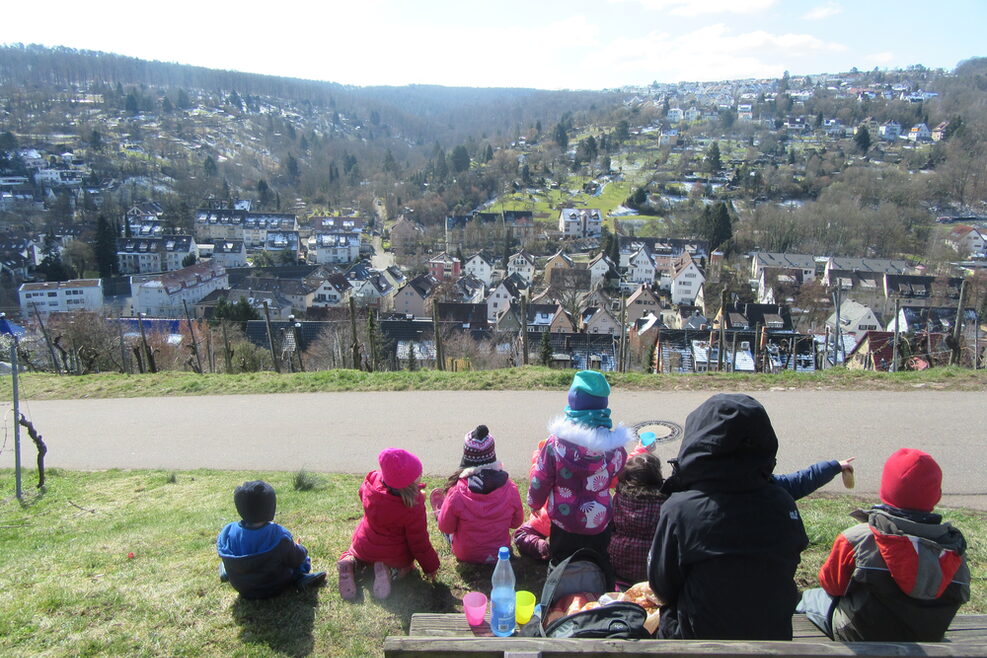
(40, 386)
(69, 588)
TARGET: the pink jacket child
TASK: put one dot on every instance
(572, 475)
(393, 532)
(482, 503)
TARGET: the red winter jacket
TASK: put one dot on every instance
(479, 512)
(391, 532)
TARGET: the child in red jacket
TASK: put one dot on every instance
(481, 502)
(393, 532)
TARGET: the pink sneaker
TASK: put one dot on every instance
(382, 580)
(347, 578)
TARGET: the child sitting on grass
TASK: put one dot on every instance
(393, 532)
(636, 506)
(481, 502)
(260, 558)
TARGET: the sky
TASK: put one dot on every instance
(545, 44)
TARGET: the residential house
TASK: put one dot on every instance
(149, 255)
(967, 241)
(599, 320)
(674, 115)
(687, 279)
(405, 236)
(804, 262)
(165, 295)
(938, 320)
(375, 290)
(334, 291)
(282, 241)
(919, 133)
(507, 291)
(469, 290)
(262, 229)
(880, 265)
(580, 222)
(333, 247)
(693, 114)
(890, 131)
(539, 318)
(278, 307)
(640, 269)
(465, 316)
(600, 268)
(940, 131)
(415, 297)
(668, 137)
(641, 302)
(854, 319)
(522, 264)
(228, 253)
(444, 267)
(562, 322)
(779, 285)
(557, 260)
(521, 224)
(874, 351)
(61, 296)
(745, 112)
(478, 266)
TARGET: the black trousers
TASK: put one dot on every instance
(562, 544)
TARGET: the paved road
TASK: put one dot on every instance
(343, 432)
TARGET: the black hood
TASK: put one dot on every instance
(729, 445)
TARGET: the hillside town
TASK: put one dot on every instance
(683, 239)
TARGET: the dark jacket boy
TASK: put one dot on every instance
(728, 540)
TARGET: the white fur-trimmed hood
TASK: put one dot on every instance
(598, 439)
(495, 466)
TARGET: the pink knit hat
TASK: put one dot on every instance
(478, 448)
(399, 468)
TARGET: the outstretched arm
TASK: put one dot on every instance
(802, 483)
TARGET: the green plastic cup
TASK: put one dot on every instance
(524, 607)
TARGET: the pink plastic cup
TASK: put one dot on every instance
(475, 607)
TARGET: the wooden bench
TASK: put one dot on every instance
(433, 635)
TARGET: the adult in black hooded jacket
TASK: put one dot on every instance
(728, 540)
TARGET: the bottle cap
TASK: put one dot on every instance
(504, 553)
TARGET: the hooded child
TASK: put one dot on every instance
(901, 574)
(481, 504)
(728, 539)
(393, 532)
(259, 557)
(571, 477)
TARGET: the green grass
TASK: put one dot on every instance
(42, 386)
(69, 587)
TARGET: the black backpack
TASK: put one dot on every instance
(582, 572)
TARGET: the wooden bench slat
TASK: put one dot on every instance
(473, 647)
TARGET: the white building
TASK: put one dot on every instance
(523, 264)
(228, 253)
(150, 255)
(163, 295)
(480, 268)
(640, 268)
(61, 296)
(687, 279)
(580, 222)
(333, 248)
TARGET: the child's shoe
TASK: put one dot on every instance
(347, 578)
(382, 580)
(311, 580)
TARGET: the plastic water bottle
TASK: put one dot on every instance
(502, 595)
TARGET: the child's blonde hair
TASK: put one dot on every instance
(409, 494)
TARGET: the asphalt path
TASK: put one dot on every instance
(343, 432)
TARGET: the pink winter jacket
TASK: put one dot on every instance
(571, 477)
(479, 512)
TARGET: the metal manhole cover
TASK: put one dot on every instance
(672, 430)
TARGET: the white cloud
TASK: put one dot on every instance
(824, 11)
(700, 7)
(709, 53)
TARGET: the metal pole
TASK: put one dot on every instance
(894, 343)
(270, 339)
(44, 332)
(954, 358)
(17, 417)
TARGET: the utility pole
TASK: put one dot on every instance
(151, 365)
(297, 333)
(195, 344)
(227, 354)
(356, 343)
(524, 330)
(44, 332)
(439, 356)
(723, 329)
(622, 366)
(954, 359)
(894, 340)
(270, 338)
(838, 347)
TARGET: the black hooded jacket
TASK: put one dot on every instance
(728, 540)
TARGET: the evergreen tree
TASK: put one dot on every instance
(132, 106)
(390, 164)
(488, 153)
(189, 260)
(460, 159)
(561, 136)
(412, 358)
(291, 167)
(623, 131)
(239, 311)
(105, 248)
(209, 167)
(862, 139)
(719, 227)
(545, 349)
(713, 163)
(263, 193)
(51, 265)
